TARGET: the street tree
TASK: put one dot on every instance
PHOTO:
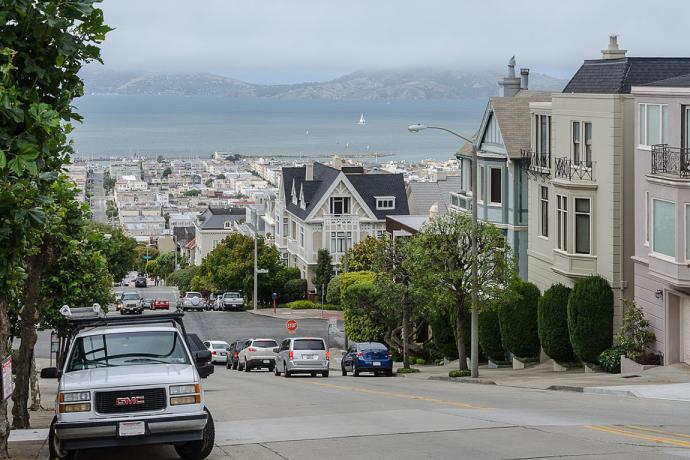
(182, 278)
(323, 271)
(442, 259)
(166, 172)
(43, 45)
(144, 253)
(108, 182)
(361, 256)
(119, 250)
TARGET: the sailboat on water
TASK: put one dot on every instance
(362, 120)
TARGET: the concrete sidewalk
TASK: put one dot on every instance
(664, 382)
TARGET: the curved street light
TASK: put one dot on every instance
(474, 341)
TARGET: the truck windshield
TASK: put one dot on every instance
(127, 349)
(130, 296)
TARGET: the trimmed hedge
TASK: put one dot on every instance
(309, 305)
(590, 318)
(333, 291)
(294, 290)
(490, 334)
(517, 315)
(552, 318)
(351, 278)
(359, 326)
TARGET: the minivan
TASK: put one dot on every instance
(302, 355)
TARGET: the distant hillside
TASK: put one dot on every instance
(363, 85)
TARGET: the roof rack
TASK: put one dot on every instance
(77, 323)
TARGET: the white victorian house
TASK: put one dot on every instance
(320, 207)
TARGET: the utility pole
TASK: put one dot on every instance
(256, 258)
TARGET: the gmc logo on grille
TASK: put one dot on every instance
(130, 401)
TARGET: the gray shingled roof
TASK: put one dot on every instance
(512, 115)
(215, 218)
(367, 185)
(678, 82)
(616, 76)
(422, 195)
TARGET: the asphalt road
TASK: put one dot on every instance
(99, 199)
(259, 416)
(262, 417)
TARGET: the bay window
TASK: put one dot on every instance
(544, 212)
(583, 226)
(653, 124)
(562, 222)
(664, 227)
(340, 242)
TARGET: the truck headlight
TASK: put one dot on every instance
(179, 400)
(185, 389)
(67, 408)
(77, 396)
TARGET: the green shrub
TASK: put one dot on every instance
(357, 301)
(634, 337)
(517, 315)
(351, 278)
(610, 359)
(309, 305)
(459, 373)
(490, 333)
(590, 318)
(409, 370)
(333, 291)
(553, 324)
(420, 361)
(294, 290)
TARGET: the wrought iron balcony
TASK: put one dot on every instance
(574, 169)
(671, 160)
(536, 163)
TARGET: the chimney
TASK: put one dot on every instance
(510, 85)
(524, 79)
(613, 52)
(309, 167)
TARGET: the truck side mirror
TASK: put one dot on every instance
(203, 357)
(205, 370)
(50, 373)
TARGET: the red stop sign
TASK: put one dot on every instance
(291, 326)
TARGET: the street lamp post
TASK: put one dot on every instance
(474, 342)
(256, 261)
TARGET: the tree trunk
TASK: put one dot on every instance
(405, 335)
(460, 335)
(28, 316)
(35, 388)
(4, 351)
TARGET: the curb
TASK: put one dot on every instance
(479, 381)
(593, 390)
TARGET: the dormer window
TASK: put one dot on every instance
(385, 202)
(340, 205)
(294, 193)
(303, 205)
(227, 225)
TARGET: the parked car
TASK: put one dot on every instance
(193, 301)
(257, 353)
(147, 302)
(232, 300)
(140, 282)
(367, 357)
(161, 304)
(213, 303)
(218, 349)
(130, 302)
(306, 355)
(234, 353)
(133, 384)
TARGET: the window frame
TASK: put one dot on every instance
(561, 223)
(652, 247)
(345, 204)
(643, 122)
(543, 213)
(575, 144)
(491, 186)
(590, 227)
(385, 199)
(647, 218)
(480, 184)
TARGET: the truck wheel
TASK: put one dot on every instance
(197, 450)
(56, 452)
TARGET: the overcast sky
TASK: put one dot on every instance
(284, 41)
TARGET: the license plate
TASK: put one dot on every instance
(267, 361)
(131, 428)
(311, 356)
(376, 363)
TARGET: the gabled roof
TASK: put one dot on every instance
(677, 82)
(368, 186)
(215, 218)
(512, 115)
(423, 195)
(616, 76)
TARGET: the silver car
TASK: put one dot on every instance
(302, 355)
(257, 353)
(193, 301)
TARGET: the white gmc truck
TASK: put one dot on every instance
(131, 381)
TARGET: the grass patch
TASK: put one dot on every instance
(459, 373)
(410, 370)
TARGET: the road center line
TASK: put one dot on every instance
(653, 430)
(392, 394)
(632, 434)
